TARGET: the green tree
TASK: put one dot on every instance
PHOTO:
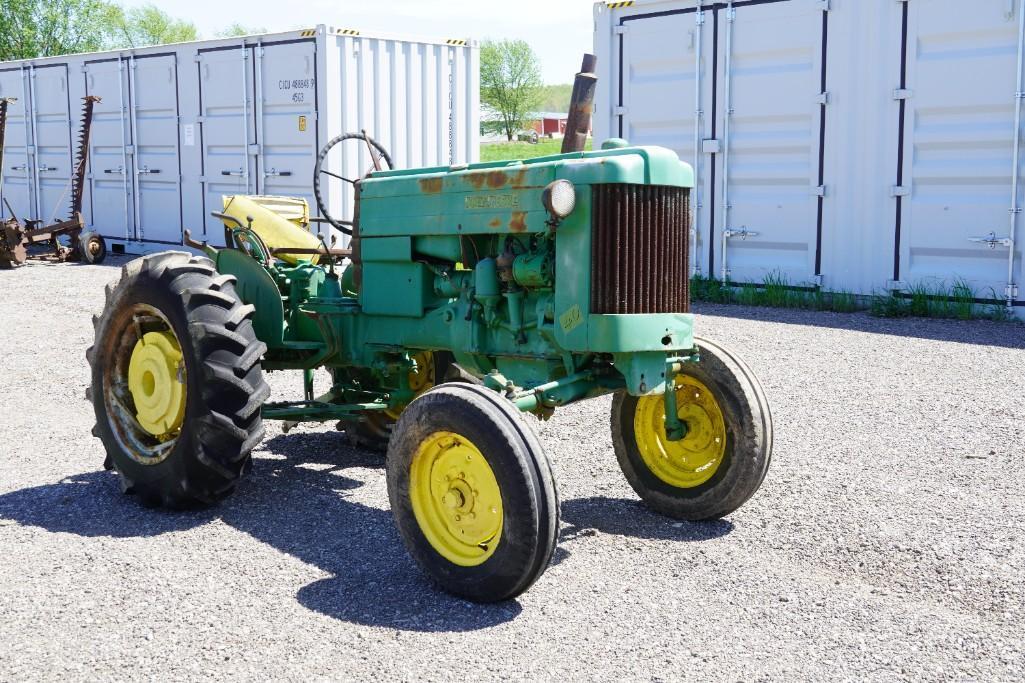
(44, 28)
(149, 25)
(238, 30)
(510, 83)
(557, 97)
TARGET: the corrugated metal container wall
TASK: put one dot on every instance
(860, 145)
(182, 125)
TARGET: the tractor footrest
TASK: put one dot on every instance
(316, 411)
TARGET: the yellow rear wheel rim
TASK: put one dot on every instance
(693, 460)
(156, 382)
(456, 499)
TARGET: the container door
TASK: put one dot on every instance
(958, 149)
(158, 209)
(17, 187)
(226, 128)
(111, 203)
(769, 94)
(287, 119)
(52, 127)
(666, 100)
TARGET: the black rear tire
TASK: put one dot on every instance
(224, 388)
(529, 501)
(748, 451)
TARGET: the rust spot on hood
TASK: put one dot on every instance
(519, 178)
(518, 222)
(495, 223)
(476, 179)
(430, 185)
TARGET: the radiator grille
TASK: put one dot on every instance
(639, 249)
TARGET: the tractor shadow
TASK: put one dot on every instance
(622, 517)
(297, 499)
(302, 509)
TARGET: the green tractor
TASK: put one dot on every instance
(469, 296)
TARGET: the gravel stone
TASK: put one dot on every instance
(887, 543)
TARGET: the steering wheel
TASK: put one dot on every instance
(377, 152)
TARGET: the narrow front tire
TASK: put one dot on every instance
(472, 492)
(724, 456)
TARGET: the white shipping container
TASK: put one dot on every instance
(180, 126)
(860, 145)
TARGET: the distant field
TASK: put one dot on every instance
(498, 151)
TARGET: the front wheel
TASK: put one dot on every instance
(472, 492)
(723, 457)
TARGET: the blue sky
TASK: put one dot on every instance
(560, 31)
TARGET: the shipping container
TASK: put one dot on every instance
(858, 145)
(180, 126)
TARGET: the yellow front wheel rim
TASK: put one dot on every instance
(156, 382)
(456, 499)
(693, 460)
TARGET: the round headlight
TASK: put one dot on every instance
(560, 198)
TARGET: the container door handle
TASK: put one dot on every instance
(119, 170)
(237, 173)
(147, 169)
(23, 167)
(43, 169)
(277, 173)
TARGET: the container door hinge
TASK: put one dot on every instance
(619, 30)
(817, 280)
(819, 191)
(896, 285)
(902, 94)
(619, 111)
(822, 98)
(741, 233)
(197, 58)
(1011, 292)
(824, 5)
(711, 146)
(900, 191)
(991, 240)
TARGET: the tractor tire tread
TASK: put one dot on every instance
(226, 424)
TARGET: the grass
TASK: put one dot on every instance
(923, 300)
(502, 151)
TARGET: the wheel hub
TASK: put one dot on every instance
(156, 383)
(694, 459)
(456, 499)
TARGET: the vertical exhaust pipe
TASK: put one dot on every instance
(581, 107)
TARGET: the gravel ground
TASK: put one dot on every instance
(887, 543)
